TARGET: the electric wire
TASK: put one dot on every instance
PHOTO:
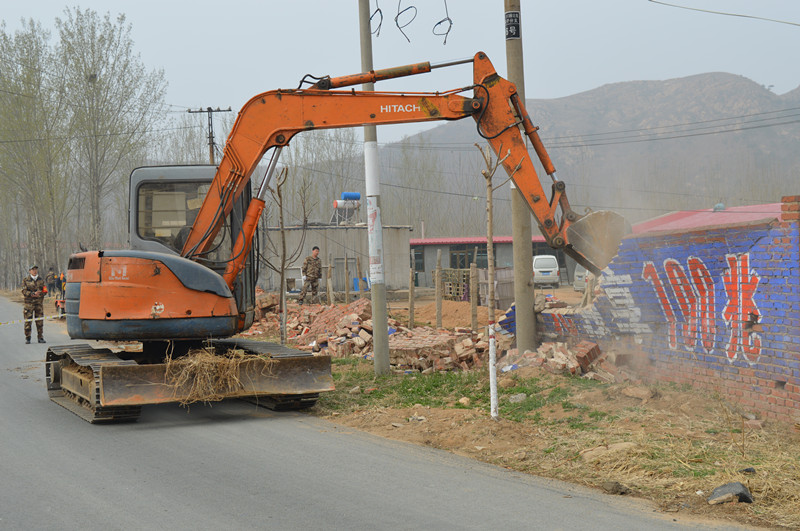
(97, 135)
(400, 13)
(725, 13)
(379, 12)
(446, 20)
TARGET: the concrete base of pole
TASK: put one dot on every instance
(380, 330)
(493, 401)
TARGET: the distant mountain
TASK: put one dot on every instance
(641, 147)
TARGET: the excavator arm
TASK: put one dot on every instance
(270, 120)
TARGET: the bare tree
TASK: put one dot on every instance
(283, 258)
(416, 171)
(114, 102)
(324, 164)
(184, 139)
(488, 174)
(33, 114)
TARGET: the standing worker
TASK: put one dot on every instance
(61, 283)
(312, 272)
(33, 291)
(50, 280)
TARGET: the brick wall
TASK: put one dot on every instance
(717, 308)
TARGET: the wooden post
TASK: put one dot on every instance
(329, 281)
(439, 288)
(473, 294)
(411, 293)
(361, 288)
(346, 281)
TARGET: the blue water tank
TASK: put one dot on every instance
(351, 196)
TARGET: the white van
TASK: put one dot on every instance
(546, 271)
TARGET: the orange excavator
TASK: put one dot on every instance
(188, 280)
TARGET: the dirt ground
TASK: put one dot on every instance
(667, 444)
(524, 447)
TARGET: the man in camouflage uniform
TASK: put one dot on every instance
(312, 272)
(33, 291)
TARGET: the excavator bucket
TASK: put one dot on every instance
(594, 239)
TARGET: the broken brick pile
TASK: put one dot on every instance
(427, 350)
(583, 359)
(347, 331)
(321, 322)
(344, 331)
(302, 321)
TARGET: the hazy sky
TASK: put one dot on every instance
(222, 53)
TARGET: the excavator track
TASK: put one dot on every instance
(100, 387)
(78, 368)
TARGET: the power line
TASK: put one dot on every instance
(98, 135)
(677, 125)
(725, 13)
(465, 146)
(571, 185)
(737, 130)
(611, 141)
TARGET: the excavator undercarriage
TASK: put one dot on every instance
(101, 386)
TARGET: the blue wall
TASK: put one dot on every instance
(702, 307)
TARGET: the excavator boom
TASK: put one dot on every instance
(270, 120)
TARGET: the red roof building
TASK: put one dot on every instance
(695, 219)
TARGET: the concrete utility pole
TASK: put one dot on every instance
(380, 323)
(210, 112)
(521, 232)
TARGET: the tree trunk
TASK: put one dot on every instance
(490, 248)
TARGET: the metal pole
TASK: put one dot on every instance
(438, 285)
(210, 136)
(380, 336)
(521, 228)
(411, 294)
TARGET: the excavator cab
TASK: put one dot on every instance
(164, 201)
(149, 292)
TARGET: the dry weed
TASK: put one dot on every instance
(203, 376)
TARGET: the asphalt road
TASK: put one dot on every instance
(238, 466)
